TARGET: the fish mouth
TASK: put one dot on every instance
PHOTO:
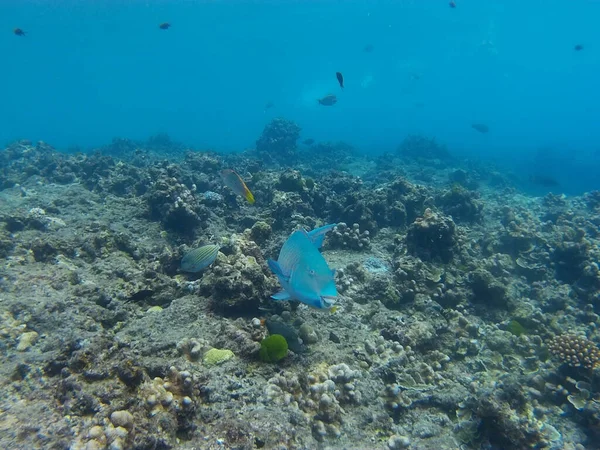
(329, 300)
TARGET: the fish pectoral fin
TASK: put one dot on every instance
(275, 267)
(283, 295)
(277, 270)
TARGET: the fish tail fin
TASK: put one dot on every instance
(317, 235)
(248, 196)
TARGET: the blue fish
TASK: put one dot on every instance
(303, 272)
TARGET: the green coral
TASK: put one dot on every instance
(273, 348)
(217, 356)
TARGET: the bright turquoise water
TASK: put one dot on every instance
(89, 71)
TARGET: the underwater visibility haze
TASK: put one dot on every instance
(299, 224)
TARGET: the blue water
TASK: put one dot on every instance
(88, 71)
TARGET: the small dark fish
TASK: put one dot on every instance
(308, 141)
(19, 32)
(482, 128)
(578, 47)
(328, 100)
(340, 79)
(269, 105)
(544, 181)
(164, 26)
(452, 4)
(368, 48)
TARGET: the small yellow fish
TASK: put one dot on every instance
(234, 182)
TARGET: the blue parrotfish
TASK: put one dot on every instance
(303, 272)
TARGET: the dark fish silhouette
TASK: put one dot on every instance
(308, 141)
(164, 26)
(578, 47)
(544, 181)
(269, 105)
(340, 79)
(368, 48)
(328, 100)
(482, 128)
(19, 32)
(452, 4)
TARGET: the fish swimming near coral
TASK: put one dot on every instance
(308, 141)
(328, 100)
(234, 182)
(340, 79)
(303, 272)
(199, 258)
(482, 128)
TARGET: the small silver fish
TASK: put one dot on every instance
(199, 258)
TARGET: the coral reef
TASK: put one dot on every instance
(277, 143)
(575, 351)
(432, 236)
(237, 282)
(345, 237)
(422, 149)
(449, 330)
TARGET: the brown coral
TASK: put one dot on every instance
(575, 351)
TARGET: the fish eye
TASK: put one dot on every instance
(312, 272)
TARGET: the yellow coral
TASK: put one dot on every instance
(217, 356)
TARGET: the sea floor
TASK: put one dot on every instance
(453, 285)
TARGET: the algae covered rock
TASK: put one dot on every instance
(239, 281)
(432, 236)
(26, 340)
(273, 348)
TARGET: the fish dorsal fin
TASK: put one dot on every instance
(317, 236)
(293, 251)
